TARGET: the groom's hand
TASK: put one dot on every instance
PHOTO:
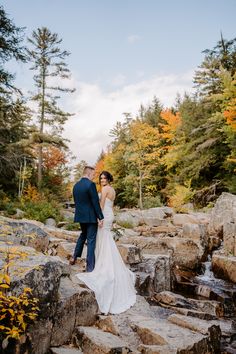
(100, 223)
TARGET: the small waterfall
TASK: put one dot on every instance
(208, 275)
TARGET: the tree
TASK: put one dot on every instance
(142, 152)
(223, 55)
(13, 134)
(10, 48)
(78, 170)
(49, 64)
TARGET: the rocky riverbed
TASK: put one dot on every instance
(185, 267)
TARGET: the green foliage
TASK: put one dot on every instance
(41, 210)
(125, 223)
(73, 226)
(48, 61)
(11, 38)
(152, 202)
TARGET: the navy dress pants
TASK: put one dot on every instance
(89, 233)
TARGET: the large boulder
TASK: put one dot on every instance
(63, 302)
(186, 253)
(24, 232)
(129, 253)
(151, 217)
(229, 238)
(197, 233)
(223, 212)
(224, 266)
(76, 306)
(154, 274)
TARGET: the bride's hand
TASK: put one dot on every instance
(100, 223)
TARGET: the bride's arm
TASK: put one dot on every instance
(104, 193)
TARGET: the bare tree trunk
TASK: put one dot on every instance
(40, 148)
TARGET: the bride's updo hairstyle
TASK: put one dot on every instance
(108, 176)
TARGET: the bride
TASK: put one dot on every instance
(111, 281)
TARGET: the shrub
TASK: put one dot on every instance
(182, 195)
(73, 226)
(151, 202)
(125, 223)
(16, 312)
(41, 210)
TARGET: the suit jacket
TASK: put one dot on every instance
(87, 206)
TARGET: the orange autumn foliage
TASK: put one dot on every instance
(230, 114)
(53, 158)
(98, 169)
(168, 129)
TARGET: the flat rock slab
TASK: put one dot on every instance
(156, 349)
(92, 340)
(194, 324)
(65, 350)
(164, 333)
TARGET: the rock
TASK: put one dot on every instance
(67, 215)
(66, 249)
(170, 300)
(181, 219)
(65, 350)
(223, 212)
(75, 307)
(186, 253)
(229, 237)
(50, 222)
(92, 340)
(154, 274)
(19, 213)
(62, 234)
(224, 266)
(151, 217)
(40, 336)
(106, 324)
(194, 313)
(196, 232)
(129, 232)
(128, 219)
(39, 272)
(61, 224)
(23, 232)
(214, 242)
(164, 333)
(195, 324)
(129, 253)
(156, 349)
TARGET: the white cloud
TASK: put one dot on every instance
(133, 38)
(96, 111)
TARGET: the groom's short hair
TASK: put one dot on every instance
(87, 169)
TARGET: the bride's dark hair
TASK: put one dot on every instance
(108, 176)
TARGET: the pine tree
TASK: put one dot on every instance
(10, 48)
(207, 77)
(49, 64)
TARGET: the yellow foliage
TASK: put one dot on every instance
(182, 195)
(31, 193)
(16, 312)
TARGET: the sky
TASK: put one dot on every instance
(123, 53)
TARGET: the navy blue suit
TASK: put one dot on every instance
(87, 212)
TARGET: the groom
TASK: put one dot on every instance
(89, 214)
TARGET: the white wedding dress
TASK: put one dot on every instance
(111, 281)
